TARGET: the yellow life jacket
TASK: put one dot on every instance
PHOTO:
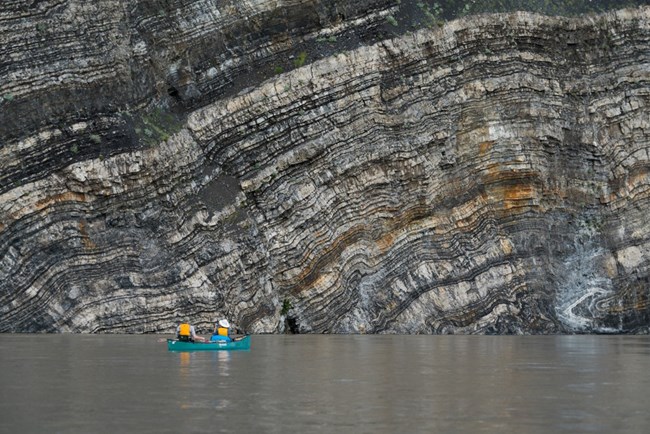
(222, 331)
(184, 330)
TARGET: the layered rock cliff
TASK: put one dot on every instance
(320, 166)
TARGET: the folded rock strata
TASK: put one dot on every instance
(490, 175)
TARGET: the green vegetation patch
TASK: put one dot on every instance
(286, 307)
(331, 39)
(154, 126)
(300, 60)
(392, 20)
(432, 12)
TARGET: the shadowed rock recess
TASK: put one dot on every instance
(322, 166)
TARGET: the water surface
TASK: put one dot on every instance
(327, 383)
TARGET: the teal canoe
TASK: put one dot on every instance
(243, 343)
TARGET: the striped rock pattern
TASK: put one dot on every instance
(490, 175)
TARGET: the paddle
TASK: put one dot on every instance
(197, 339)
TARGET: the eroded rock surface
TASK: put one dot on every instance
(289, 165)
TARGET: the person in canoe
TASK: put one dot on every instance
(185, 332)
(221, 331)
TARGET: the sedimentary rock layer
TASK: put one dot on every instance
(489, 175)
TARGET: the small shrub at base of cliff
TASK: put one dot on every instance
(8, 97)
(286, 307)
(95, 138)
(278, 70)
(74, 148)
